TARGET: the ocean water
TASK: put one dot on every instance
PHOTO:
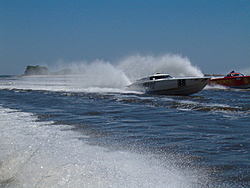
(87, 131)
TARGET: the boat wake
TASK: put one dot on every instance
(45, 155)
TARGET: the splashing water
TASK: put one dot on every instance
(139, 66)
(118, 75)
(103, 74)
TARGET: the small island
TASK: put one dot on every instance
(44, 71)
(36, 70)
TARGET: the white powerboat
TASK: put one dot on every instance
(164, 84)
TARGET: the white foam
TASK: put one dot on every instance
(40, 154)
(138, 66)
(212, 87)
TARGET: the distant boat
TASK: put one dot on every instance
(232, 80)
(164, 84)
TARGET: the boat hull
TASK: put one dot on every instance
(175, 86)
(240, 82)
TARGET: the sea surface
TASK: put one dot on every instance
(59, 131)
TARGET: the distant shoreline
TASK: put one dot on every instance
(58, 75)
(41, 71)
(214, 74)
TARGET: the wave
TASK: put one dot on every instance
(45, 155)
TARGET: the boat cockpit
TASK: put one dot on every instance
(158, 77)
(234, 74)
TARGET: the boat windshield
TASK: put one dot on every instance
(234, 74)
(157, 77)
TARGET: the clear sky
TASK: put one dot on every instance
(213, 34)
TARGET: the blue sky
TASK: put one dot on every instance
(213, 34)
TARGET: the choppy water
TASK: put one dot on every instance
(59, 132)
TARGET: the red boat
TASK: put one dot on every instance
(233, 80)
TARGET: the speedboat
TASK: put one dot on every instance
(164, 84)
(232, 80)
